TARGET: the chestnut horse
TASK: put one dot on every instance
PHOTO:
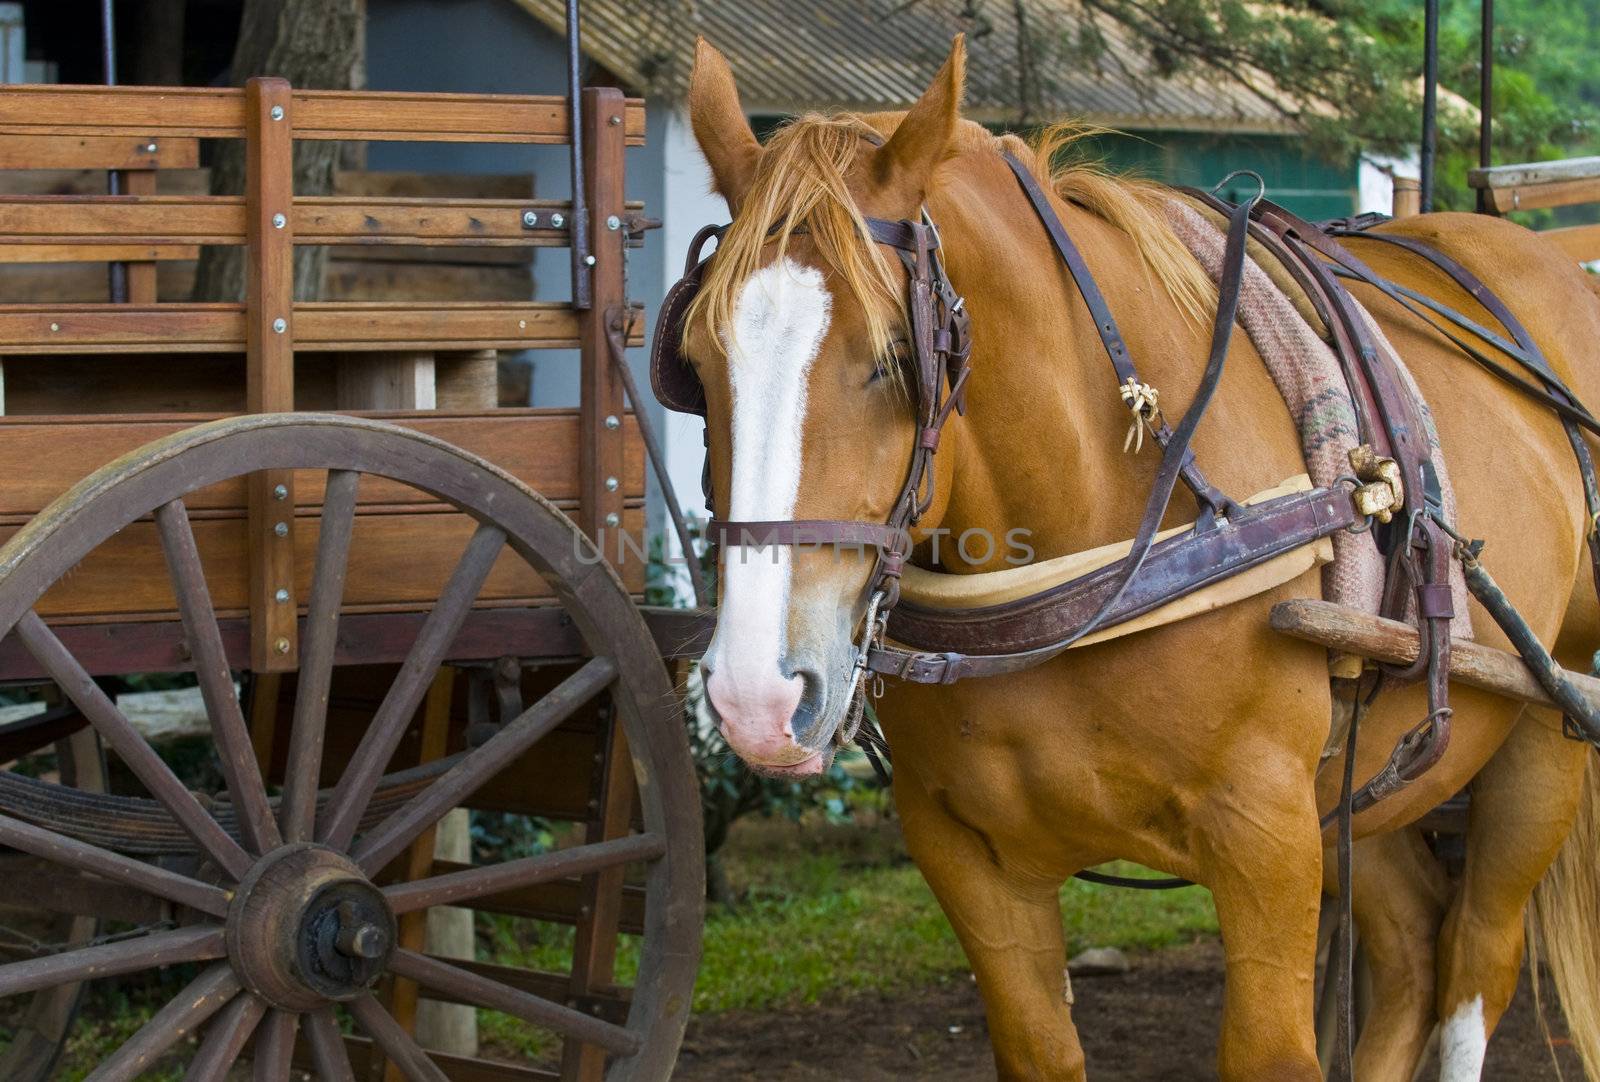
(1191, 748)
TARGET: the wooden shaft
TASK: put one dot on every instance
(269, 351)
(381, 844)
(455, 887)
(151, 878)
(225, 1038)
(200, 999)
(1473, 664)
(304, 766)
(229, 733)
(396, 1043)
(113, 959)
(328, 1053)
(474, 988)
(274, 1047)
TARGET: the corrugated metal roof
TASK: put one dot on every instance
(790, 55)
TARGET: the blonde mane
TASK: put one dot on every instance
(800, 186)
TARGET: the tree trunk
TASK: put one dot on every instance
(315, 44)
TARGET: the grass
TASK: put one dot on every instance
(826, 912)
(821, 913)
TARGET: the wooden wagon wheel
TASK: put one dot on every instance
(294, 922)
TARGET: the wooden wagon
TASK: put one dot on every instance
(417, 623)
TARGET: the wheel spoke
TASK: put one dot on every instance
(456, 887)
(274, 1048)
(60, 849)
(474, 988)
(199, 1000)
(125, 740)
(225, 1039)
(395, 1042)
(328, 1053)
(317, 643)
(228, 729)
(113, 959)
(354, 789)
(389, 837)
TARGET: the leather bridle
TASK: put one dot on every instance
(940, 346)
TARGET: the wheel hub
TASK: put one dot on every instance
(305, 927)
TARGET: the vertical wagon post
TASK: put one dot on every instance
(602, 137)
(269, 363)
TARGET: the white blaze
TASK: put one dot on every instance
(1462, 1044)
(779, 321)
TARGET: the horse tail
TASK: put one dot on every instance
(1564, 926)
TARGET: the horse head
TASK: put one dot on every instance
(803, 341)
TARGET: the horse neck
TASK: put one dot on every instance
(1041, 446)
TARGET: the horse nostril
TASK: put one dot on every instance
(808, 714)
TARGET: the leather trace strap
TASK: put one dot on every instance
(1102, 594)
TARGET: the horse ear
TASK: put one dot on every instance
(924, 133)
(719, 124)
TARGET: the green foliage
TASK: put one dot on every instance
(1349, 71)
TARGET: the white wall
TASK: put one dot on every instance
(687, 204)
(1375, 180)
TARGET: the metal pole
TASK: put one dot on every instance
(1430, 99)
(108, 62)
(1486, 97)
(582, 292)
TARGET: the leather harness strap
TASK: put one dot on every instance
(1105, 325)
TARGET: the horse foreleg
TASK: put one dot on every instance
(1399, 902)
(1523, 804)
(1261, 857)
(1009, 925)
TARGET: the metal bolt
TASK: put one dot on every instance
(150, 148)
(280, 325)
(557, 221)
(588, 261)
(277, 112)
(280, 492)
(281, 529)
(611, 484)
(613, 223)
(279, 221)
(612, 422)
(614, 120)
(281, 596)
(529, 219)
(282, 646)
(613, 520)
(363, 941)
(55, 326)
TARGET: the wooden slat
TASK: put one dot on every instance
(1580, 242)
(612, 1005)
(167, 112)
(1562, 193)
(158, 220)
(320, 325)
(1528, 174)
(97, 152)
(557, 901)
(94, 252)
(398, 563)
(43, 457)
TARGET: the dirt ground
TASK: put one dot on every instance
(1157, 1022)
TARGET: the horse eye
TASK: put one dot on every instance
(895, 356)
